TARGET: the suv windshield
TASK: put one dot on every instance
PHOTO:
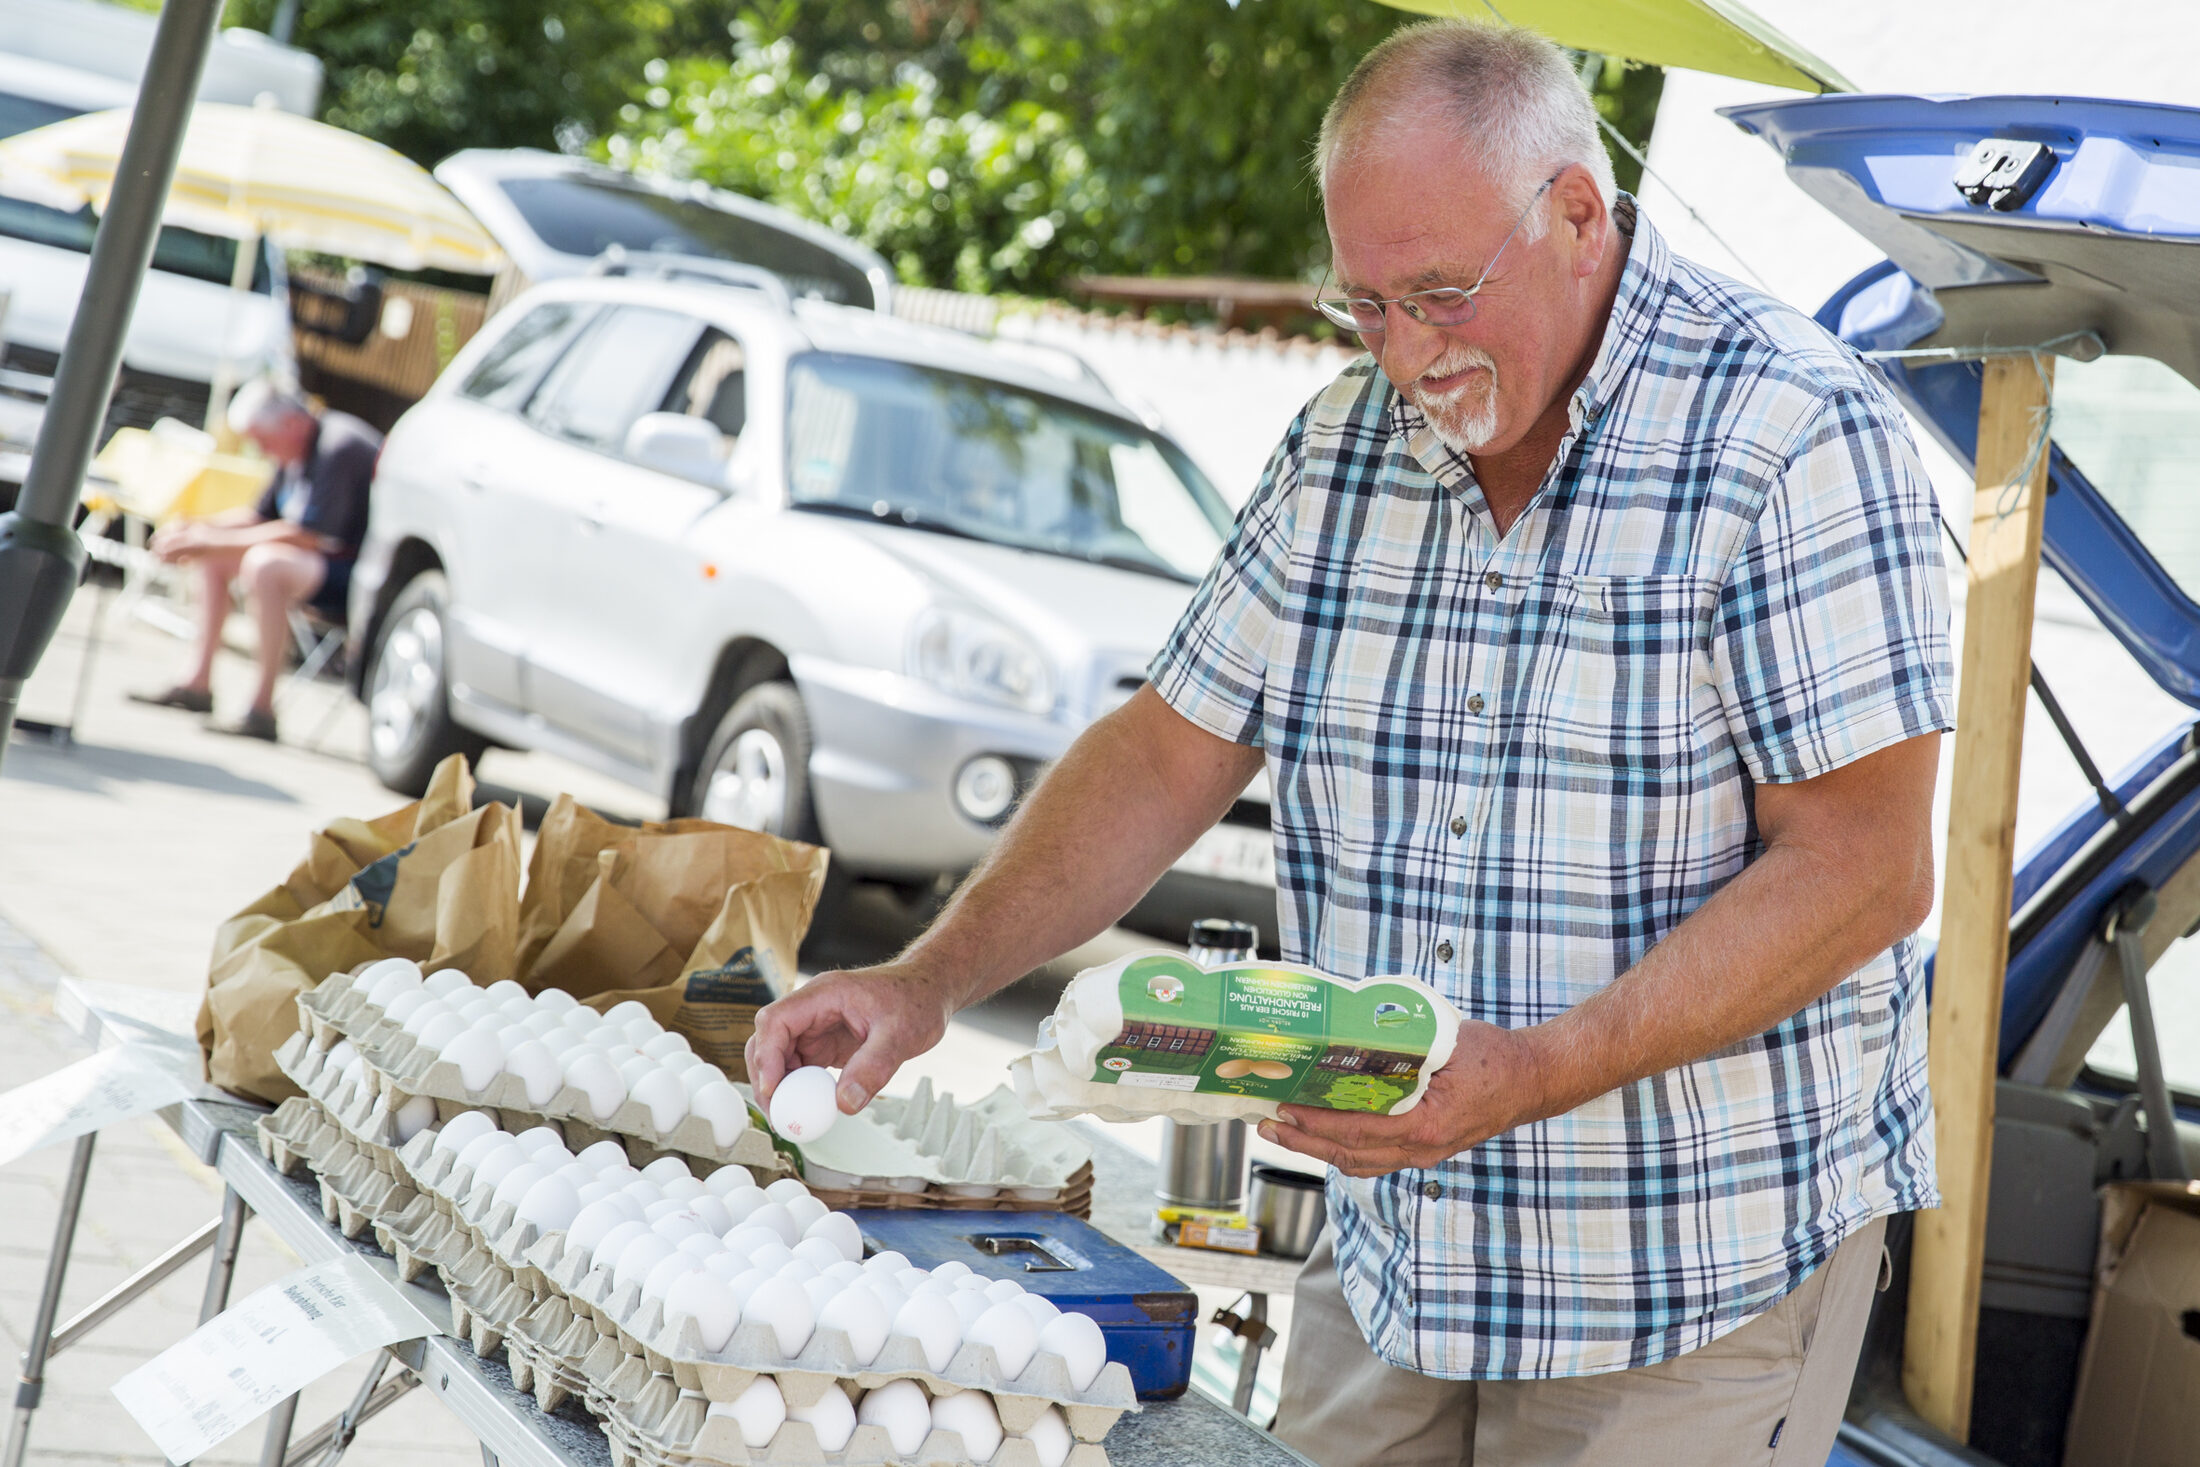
(586, 216)
(964, 456)
(2132, 426)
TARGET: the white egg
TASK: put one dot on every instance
(592, 1075)
(840, 1231)
(786, 1190)
(675, 1225)
(673, 1267)
(888, 1295)
(832, 1416)
(884, 1265)
(386, 979)
(551, 1204)
(535, 1140)
(413, 1117)
(634, 1068)
(402, 1007)
(783, 1307)
(822, 1290)
(538, 1070)
(449, 980)
(1000, 1291)
(778, 1219)
(605, 1254)
(687, 1189)
(796, 1271)
(1050, 1434)
(513, 1184)
(1011, 1333)
(818, 1253)
(637, 1258)
(478, 1056)
(722, 1106)
(505, 988)
(540, 1027)
(845, 1273)
(804, 1106)
(933, 1326)
(728, 1179)
(968, 1306)
(1078, 1340)
(594, 1221)
(860, 1315)
(582, 1020)
(474, 1152)
(772, 1254)
(512, 1035)
(711, 1211)
(742, 1202)
(728, 1265)
(902, 1409)
(702, 1247)
(440, 1030)
(556, 1001)
(745, 1282)
(704, 1298)
(759, 1411)
(971, 1283)
(806, 1212)
(639, 1032)
(645, 1192)
(665, 1169)
(970, 1414)
(595, 1189)
(563, 1043)
(666, 1045)
(341, 1053)
(910, 1279)
(1040, 1308)
(932, 1288)
(464, 1128)
(604, 1155)
(495, 1166)
(951, 1270)
(701, 1076)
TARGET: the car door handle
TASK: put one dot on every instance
(591, 519)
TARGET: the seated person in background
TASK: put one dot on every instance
(296, 546)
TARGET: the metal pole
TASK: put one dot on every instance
(275, 1445)
(40, 556)
(224, 1268)
(131, 1288)
(33, 1382)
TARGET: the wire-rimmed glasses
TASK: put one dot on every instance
(1445, 305)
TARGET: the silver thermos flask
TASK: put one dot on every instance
(1203, 1166)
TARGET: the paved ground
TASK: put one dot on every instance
(118, 855)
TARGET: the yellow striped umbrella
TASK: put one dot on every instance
(252, 171)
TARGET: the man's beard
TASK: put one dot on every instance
(1464, 419)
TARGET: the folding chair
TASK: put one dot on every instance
(318, 638)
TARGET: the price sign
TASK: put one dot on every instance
(111, 1086)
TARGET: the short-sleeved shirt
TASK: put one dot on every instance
(327, 493)
(1509, 765)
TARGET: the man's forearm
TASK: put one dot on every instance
(1125, 802)
(1782, 933)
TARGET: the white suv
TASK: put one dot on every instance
(792, 565)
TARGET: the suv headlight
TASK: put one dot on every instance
(973, 656)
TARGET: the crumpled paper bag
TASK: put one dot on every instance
(436, 881)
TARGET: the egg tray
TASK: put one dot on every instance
(981, 1154)
(357, 1181)
(1075, 1198)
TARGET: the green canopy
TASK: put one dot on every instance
(1718, 36)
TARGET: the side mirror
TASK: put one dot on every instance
(675, 443)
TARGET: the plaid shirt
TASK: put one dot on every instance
(1509, 766)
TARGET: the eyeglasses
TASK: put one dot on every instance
(1446, 305)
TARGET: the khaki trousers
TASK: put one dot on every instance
(1769, 1393)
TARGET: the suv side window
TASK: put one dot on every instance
(621, 369)
(516, 363)
(712, 384)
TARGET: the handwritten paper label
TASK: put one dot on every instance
(232, 1369)
(111, 1086)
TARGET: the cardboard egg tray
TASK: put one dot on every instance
(1075, 1198)
(356, 1183)
(401, 1070)
(970, 1148)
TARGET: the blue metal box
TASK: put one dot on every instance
(1148, 1316)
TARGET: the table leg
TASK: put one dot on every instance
(488, 1458)
(224, 1268)
(1251, 1337)
(276, 1444)
(33, 1381)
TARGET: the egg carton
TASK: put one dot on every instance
(1074, 1199)
(296, 1135)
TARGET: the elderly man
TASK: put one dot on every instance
(295, 547)
(1592, 632)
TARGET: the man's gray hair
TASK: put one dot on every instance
(1511, 98)
(264, 402)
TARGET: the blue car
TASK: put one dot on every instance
(2073, 225)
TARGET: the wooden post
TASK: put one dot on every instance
(1965, 1028)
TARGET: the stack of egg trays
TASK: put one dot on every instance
(952, 1134)
(670, 1427)
(359, 1175)
(398, 1064)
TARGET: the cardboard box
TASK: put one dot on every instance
(2138, 1402)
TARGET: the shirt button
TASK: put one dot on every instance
(1458, 825)
(1495, 580)
(1433, 1191)
(1443, 951)
(1474, 703)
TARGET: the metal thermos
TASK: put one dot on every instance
(1204, 1165)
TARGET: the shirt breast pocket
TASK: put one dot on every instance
(1620, 673)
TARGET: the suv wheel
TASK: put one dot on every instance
(756, 771)
(409, 725)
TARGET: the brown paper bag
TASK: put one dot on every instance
(699, 922)
(561, 871)
(447, 896)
